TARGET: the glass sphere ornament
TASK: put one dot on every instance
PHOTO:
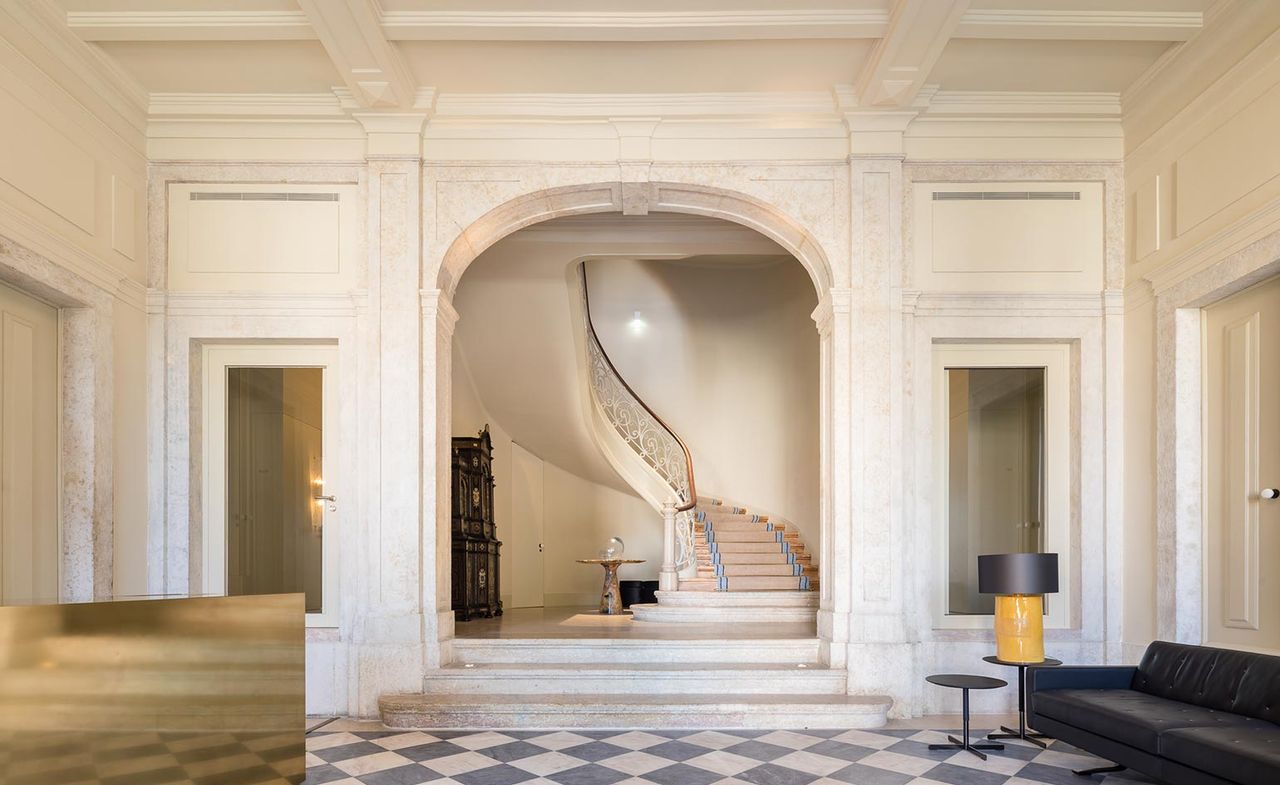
(613, 549)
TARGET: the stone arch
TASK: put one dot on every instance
(633, 199)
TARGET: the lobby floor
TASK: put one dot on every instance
(590, 623)
(355, 753)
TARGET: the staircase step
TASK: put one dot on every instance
(616, 679)
(734, 524)
(743, 535)
(754, 557)
(758, 583)
(717, 515)
(732, 570)
(728, 599)
(718, 607)
(728, 649)
(634, 711)
(769, 546)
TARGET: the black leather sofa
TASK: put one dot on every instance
(1186, 715)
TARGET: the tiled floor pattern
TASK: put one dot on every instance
(734, 757)
(146, 758)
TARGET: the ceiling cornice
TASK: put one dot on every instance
(836, 104)
(1083, 25)
(797, 23)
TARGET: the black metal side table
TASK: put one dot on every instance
(965, 683)
(1021, 732)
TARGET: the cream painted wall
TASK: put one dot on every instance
(72, 183)
(579, 515)
(728, 356)
(1202, 179)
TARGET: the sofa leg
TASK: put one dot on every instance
(1099, 770)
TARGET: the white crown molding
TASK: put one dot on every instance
(992, 103)
(604, 106)
(190, 25)
(247, 105)
(1086, 25)
(634, 25)
(798, 23)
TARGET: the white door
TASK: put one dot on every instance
(28, 449)
(525, 529)
(1242, 461)
(272, 492)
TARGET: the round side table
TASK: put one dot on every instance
(611, 595)
(965, 683)
(1021, 732)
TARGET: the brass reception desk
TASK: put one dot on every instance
(198, 690)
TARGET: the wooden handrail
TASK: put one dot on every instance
(688, 457)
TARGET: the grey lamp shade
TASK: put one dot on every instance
(1018, 573)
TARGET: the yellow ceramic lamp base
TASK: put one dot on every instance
(1020, 627)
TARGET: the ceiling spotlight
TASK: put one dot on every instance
(637, 325)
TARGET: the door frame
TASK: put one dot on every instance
(1180, 495)
(216, 359)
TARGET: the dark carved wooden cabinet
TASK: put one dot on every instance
(474, 533)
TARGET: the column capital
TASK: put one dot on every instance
(437, 305)
(392, 134)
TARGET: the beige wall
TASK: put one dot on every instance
(72, 183)
(1202, 176)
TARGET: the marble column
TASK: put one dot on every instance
(388, 635)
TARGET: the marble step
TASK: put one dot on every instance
(727, 650)
(549, 711)
(738, 570)
(776, 556)
(667, 614)
(736, 524)
(727, 599)
(765, 583)
(600, 678)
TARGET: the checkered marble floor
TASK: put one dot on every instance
(636, 757)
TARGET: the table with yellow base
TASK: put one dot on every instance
(611, 594)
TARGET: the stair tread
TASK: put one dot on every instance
(390, 702)
(608, 667)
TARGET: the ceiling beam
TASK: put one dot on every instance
(898, 66)
(1040, 24)
(351, 32)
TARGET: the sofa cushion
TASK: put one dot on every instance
(1223, 679)
(1128, 716)
(1248, 754)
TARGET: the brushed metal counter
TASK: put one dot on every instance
(154, 690)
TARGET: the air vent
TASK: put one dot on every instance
(261, 196)
(1005, 196)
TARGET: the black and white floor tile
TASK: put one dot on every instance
(637, 757)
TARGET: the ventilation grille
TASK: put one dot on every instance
(1005, 196)
(261, 196)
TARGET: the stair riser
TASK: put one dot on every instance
(771, 570)
(621, 715)
(753, 583)
(753, 557)
(571, 682)
(636, 652)
(678, 615)
(738, 525)
(723, 538)
(749, 547)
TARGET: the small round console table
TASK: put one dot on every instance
(1021, 732)
(611, 594)
(965, 683)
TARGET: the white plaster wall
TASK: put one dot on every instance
(1140, 479)
(130, 453)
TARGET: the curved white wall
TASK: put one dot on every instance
(726, 352)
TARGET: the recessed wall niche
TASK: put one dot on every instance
(277, 237)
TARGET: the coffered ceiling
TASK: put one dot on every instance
(385, 53)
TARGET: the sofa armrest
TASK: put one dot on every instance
(1080, 677)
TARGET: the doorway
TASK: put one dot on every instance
(1242, 468)
(271, 452)
(29, 541)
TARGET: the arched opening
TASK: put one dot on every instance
(497, 230)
